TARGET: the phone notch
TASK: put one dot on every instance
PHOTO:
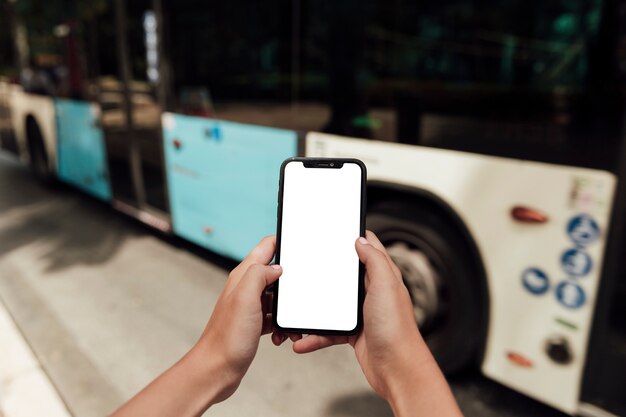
(323, 164)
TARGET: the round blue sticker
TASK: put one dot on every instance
(576, 262)
(535, 280)
(583, 229)
(570, 294)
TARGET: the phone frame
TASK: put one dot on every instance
(361, 287)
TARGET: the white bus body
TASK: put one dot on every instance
(482, 190)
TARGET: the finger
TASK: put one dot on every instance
(261, 254)
(267, 302)
(374, 260)
(256, 279)
(312, 343)
(284, 336)
(295, 337)
(278, 338)
(373, 239)
(268, 326)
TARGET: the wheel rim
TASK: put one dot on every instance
(421, 274)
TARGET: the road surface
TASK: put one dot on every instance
(107, 304)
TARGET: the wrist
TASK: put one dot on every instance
(420, 385)
(401, 389)
(411, 364)
(402, 372)
(210, 374)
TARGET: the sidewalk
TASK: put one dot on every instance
(25, 390)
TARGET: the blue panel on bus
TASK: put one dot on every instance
(81, 152)
(223, 180)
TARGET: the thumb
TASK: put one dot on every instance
(374, 260)
(257, 278)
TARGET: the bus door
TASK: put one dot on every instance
(131, 117)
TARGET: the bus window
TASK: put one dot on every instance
(237, 61)
(507, 78)
(503, 78)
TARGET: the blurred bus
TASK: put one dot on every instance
(491, 130)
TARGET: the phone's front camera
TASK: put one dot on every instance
(332, 164)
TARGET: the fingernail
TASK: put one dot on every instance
(276, 267)
(363, 241)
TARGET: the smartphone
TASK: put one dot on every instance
(321, 213)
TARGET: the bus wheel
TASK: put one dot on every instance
(37, 151)
(440, 273)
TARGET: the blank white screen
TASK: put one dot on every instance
(320, 223)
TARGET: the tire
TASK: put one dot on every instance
(37, 152)
(441, 274)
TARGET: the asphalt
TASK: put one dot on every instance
(106, 304)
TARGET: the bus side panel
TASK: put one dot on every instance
(223, 180)
(82, 159)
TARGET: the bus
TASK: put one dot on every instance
(491, 130)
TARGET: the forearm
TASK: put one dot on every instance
(420, 389)
(187, 389)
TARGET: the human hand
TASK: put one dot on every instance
(389, 335)
(389, 348)
(241, 315)
(213, 369)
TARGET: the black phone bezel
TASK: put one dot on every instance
(313, 162)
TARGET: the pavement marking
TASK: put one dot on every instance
(25, 390)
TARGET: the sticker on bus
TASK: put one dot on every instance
(576, 262)
(583, 230)
(535, 281)
(570, 294)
